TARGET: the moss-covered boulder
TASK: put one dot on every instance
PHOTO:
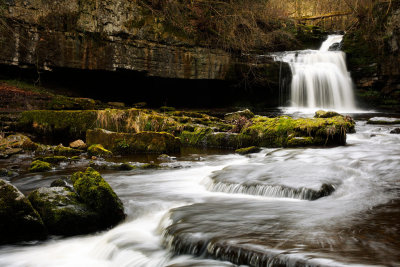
(18, 220)
(129, 143)
(62, 211)
(39, 166)
(248, 150)
(285, 131)
(99, 150)
(99, 195)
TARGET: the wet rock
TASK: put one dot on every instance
(99, 150)
(395, 131)
(78, 144)
(248, 150)
(39, 166)
(129, 143)
(18, 220)
(62, 212)
(98, 195)
(237, 115)
(60, 183)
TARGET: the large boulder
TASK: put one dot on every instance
(63, 212)
(18, 220)
(127, 143)
(99, 196)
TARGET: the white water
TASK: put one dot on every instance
(320, 79)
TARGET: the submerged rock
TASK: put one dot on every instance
(128, 143)
(395, 131)
(98, 194)
(39, 166)
(18, 220)
(62, 212)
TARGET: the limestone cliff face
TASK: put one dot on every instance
(101, 35)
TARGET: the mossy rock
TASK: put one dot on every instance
(17, 141)
(99, 195)
(300, 141)
(126, 167)
(277, 132)
(326, 114)
(61, 150)
(129, 143)
(39, 166)
(67, 122)
(63, 213)
(150, 166)
(248, 150)
(206, 137)
(53, 159)
(99, 150)
(237, 115)
(18, 220)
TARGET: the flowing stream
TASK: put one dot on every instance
(215, 210)
(320, 78)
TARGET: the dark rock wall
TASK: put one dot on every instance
(373, 53)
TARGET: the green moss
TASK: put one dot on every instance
(39, 166)
(98, 194)
(247, 150)
(98, 150)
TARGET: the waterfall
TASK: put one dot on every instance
(320, 77)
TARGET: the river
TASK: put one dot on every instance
(197, 211)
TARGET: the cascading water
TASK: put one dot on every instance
(320, 78)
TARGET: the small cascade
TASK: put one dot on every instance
(277, 191)
(320, 78)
